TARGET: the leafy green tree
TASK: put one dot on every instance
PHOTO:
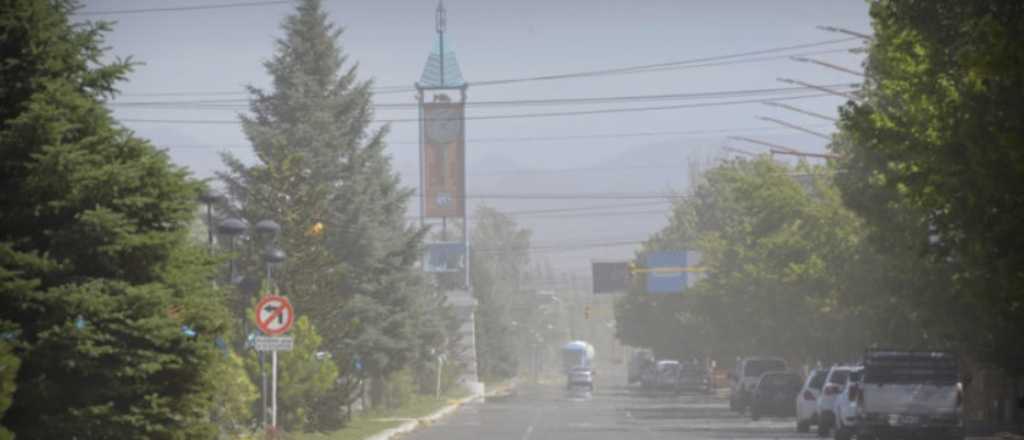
(931, 161)
(95, 264)
(789, 272)
(235, 396)
(303, 378)
(499, 260)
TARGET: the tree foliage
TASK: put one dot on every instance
(498, 261)
(322, 173)
(788, 271)
(932, 162)
(95, 265)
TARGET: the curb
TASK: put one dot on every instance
(411, 425)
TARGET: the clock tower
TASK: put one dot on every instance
(441, 95)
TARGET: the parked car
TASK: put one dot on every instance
(910, 394)
(845, 407)
(807, 401)
(834, 383)
(748, 372)
(668, 374)
(773, 395)
(642, 360)
(693, 376)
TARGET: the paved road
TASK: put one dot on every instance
(537, 412)
(542, 412)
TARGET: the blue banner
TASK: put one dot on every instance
(670, 272)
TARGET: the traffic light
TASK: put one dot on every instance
(586, 312)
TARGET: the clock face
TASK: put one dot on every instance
(443, 125)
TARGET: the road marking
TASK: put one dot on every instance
(529, 430)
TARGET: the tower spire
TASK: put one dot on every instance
(441, 23)
(441, 17)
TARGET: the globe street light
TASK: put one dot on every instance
(231, 228)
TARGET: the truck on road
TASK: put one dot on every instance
(914, 394)
(577, 362)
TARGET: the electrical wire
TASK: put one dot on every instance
(240, 104)
(643, 68)
(184, 8)
(513, 116)
(524, 139)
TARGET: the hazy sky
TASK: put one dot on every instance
(221, 50)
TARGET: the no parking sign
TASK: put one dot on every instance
(274, 315)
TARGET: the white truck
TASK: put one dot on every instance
(905, 394)
(577, 362)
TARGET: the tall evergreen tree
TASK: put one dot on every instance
(96, 269)
(319, 162)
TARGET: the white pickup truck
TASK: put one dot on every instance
(910, 394)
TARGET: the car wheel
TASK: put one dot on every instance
(802, 426)
(841, 433)
(823, 428)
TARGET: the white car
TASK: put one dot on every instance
(834, 383)
(845, 406)
(807, 400)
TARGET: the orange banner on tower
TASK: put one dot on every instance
(443, 167)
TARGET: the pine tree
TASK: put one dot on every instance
(96, 270)
(319, 163)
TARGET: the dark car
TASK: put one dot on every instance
(693, 377)
(775, 395)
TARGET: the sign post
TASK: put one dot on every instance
(274, 316)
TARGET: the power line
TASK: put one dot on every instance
(643, 68)
(560, 247)
(522, 139)
(184, 8)
(512, 116)
(592, 215)
(236, 104)
(573, 196)
(600, 209)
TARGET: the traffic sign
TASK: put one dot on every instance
(274, 343)
(274, 315)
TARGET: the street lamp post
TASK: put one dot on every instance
(209, 198)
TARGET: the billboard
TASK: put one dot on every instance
(671, 271)
(443, 151)
(611, 277)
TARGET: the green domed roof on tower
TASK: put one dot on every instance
(442, 68)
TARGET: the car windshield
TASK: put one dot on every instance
(780, 381)
(818, 379)
(757, 367)
(838, 376)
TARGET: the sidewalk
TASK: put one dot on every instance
(409, 425)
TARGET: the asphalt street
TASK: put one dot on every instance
(612, 411)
